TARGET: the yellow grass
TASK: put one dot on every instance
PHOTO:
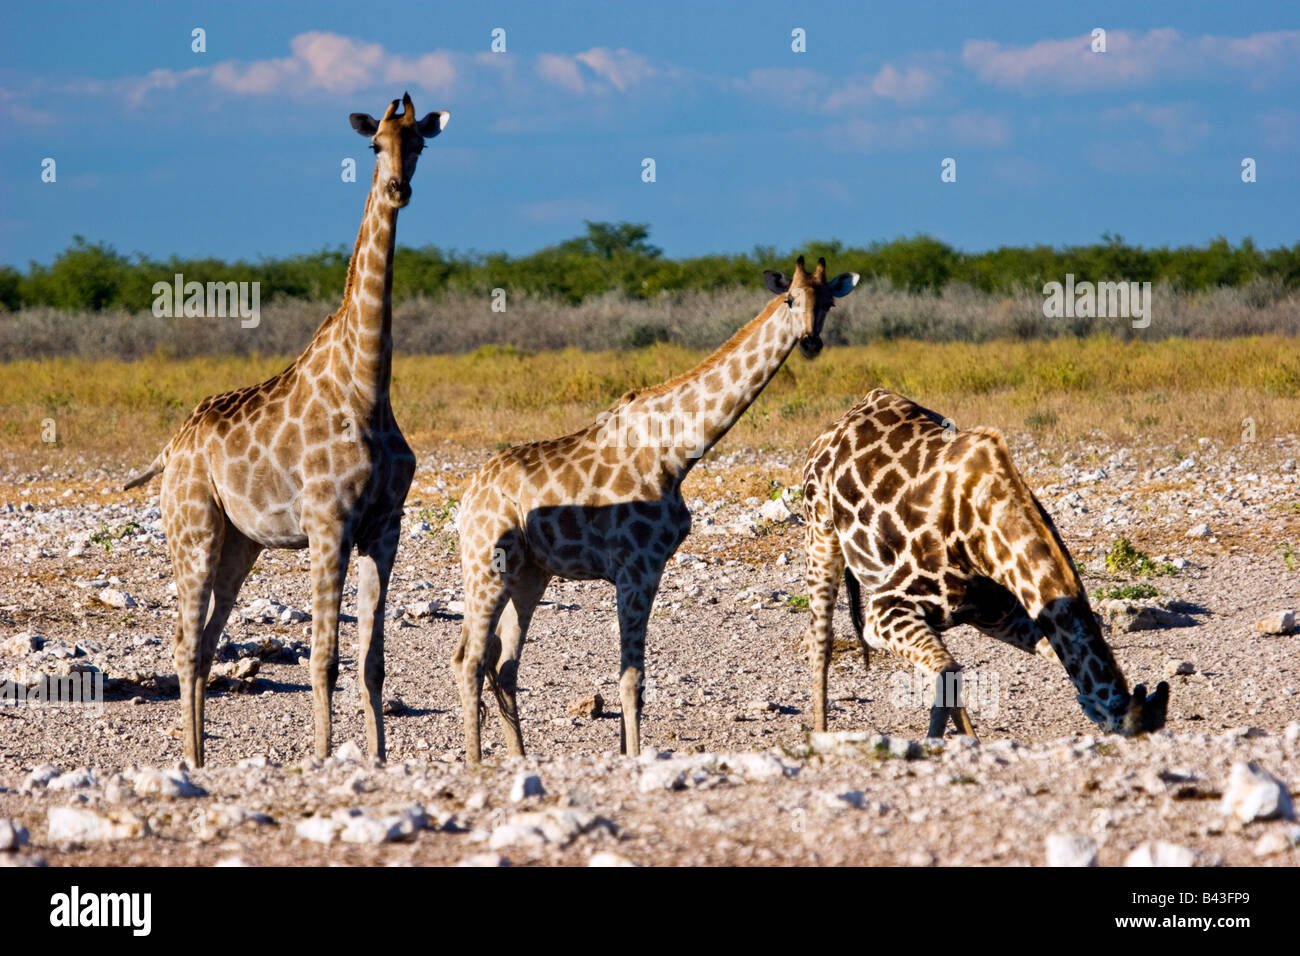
(118, 414)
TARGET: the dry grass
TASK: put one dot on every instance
(461, 323)
(118, 414)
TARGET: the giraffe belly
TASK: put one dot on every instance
(274, 527)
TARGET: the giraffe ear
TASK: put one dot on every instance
(364, 123)
(843, 284)
(776, 282)
(433, 124)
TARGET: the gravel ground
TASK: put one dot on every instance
(731, 774)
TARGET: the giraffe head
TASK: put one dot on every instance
(809, 296)
(398, 140)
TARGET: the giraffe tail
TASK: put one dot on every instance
(854, 587)
(155, 468)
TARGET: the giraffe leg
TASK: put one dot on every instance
(374, 565)
(195, 556)
(635, 598)
(484, 602)
(512, 629)
(899, 622)
(825, 565)
(329, 567)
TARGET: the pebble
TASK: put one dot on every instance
(609, 859)
(1179, 668)
(1279, 623)
(1202, 530)
(13, 836)
(23, 642)
(115, 598)
(1160, 853)
(1071, 849)
(1271, 843)
(79, 825)
(590, 707)
(484, 859)
(526, 785)
(1254, 794)
(166, 783)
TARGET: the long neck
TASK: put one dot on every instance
(1024, 553)
(362, 343)
(686, 416)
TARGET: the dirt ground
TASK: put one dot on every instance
(732, 775)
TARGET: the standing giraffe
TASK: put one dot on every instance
(605, 503)
(310, 458)
(932, 528)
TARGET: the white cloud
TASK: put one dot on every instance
(331, 63)
(562, 71)
(1179, 126)
(1131, 59)
(619, 69)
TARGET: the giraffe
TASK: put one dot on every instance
(312, 457)
(605, 503)
(933, 527)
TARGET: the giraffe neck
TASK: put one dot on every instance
(680, 420)
(362, 343)
(1044, 578)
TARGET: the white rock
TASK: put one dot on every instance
(1277, 841)
(78, 825)
(40, 776)
(166, 783)
(609, 859)
(13, 836)
(1159, 853)
(115, 598)
(73, 780)
(526, 785)
(776, 511)
(1202, 530)
(1071, 849)
(1254, 794)
(1179, 668)
(422, 609)
(349, 752)
(484, 859)
(22, 643)
(1279, 622)
(516, 834)
(318, 829)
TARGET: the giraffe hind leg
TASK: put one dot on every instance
(508, 645)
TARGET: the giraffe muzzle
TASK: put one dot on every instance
(399, 192)
(810, 346)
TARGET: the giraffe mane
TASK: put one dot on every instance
(716, 359)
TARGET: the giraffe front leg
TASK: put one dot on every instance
(899, 622)
(329, 567)
(635, 598)
(374, 566)
(482, 559)
(825, 564)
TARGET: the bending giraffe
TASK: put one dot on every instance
(931, 528)
(311, 458)
(606, 503)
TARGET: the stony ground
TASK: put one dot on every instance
(732, 774)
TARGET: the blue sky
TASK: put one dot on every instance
(236, 152)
